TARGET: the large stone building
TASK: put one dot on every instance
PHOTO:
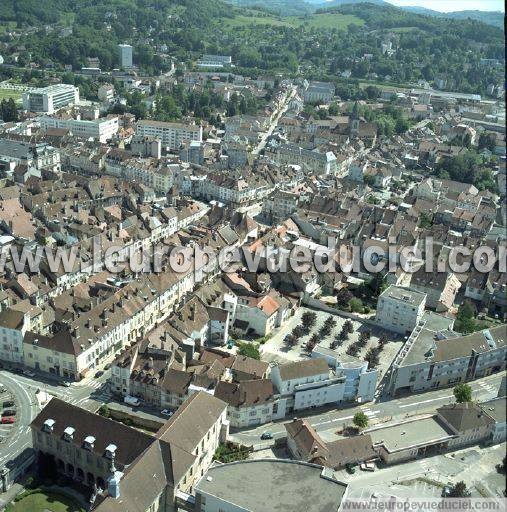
(122, 465)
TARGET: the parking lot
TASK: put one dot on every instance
(8, 405)
(277, 350)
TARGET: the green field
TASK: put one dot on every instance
(6, 26)
(5, 94)
(324, 21)
(40, 501)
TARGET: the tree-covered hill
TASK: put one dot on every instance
(322, 45)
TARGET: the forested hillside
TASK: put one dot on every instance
(322, 45)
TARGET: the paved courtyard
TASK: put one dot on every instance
(426, 477)
(276, 350)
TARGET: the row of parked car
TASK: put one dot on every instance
(8, 412)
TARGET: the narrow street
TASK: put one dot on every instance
(274, 123)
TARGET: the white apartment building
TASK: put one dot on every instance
(125, 51)
(400, 309)
(172, 135)
(435, 357)
(360, 382)
(51, 98)
(305, 384)
(100, 130)
(15, 321)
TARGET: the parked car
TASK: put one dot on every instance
(8, 403)
(132, 400)
(7, 419)
(28, 373)
(9, 412)
(367, 466)
(266, 435)
(166, 412)
(65, 384)
(99, 374)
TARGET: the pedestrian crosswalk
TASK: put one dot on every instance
(486, 386)
(95, 384)
(369, 412)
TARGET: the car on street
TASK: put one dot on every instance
(28, 373)
(108, 366)
(266, 435)
(132, 400)
(7, 419)
(166, 412)
(9, 412)
(8, 403)
(99, 374)
(65, 384)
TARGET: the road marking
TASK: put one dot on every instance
(415, 404)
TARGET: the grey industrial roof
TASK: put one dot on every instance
(426, 338)
(404, 295)
(496, 408)
(273, 486)
(410, 434)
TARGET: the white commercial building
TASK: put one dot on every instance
(51, 98)
(305, 384)
(400, 309)
(125, 55)
(172, 135)
(214, 61)
(100, 130)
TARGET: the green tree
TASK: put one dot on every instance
(463, 393)
(249, 350)
(459, 490)
(465, 321)
(360, 420)
(356, 305)
(487, 141)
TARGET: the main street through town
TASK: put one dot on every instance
(329, 421)
(91, 393)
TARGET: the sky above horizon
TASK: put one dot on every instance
(454, 5)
